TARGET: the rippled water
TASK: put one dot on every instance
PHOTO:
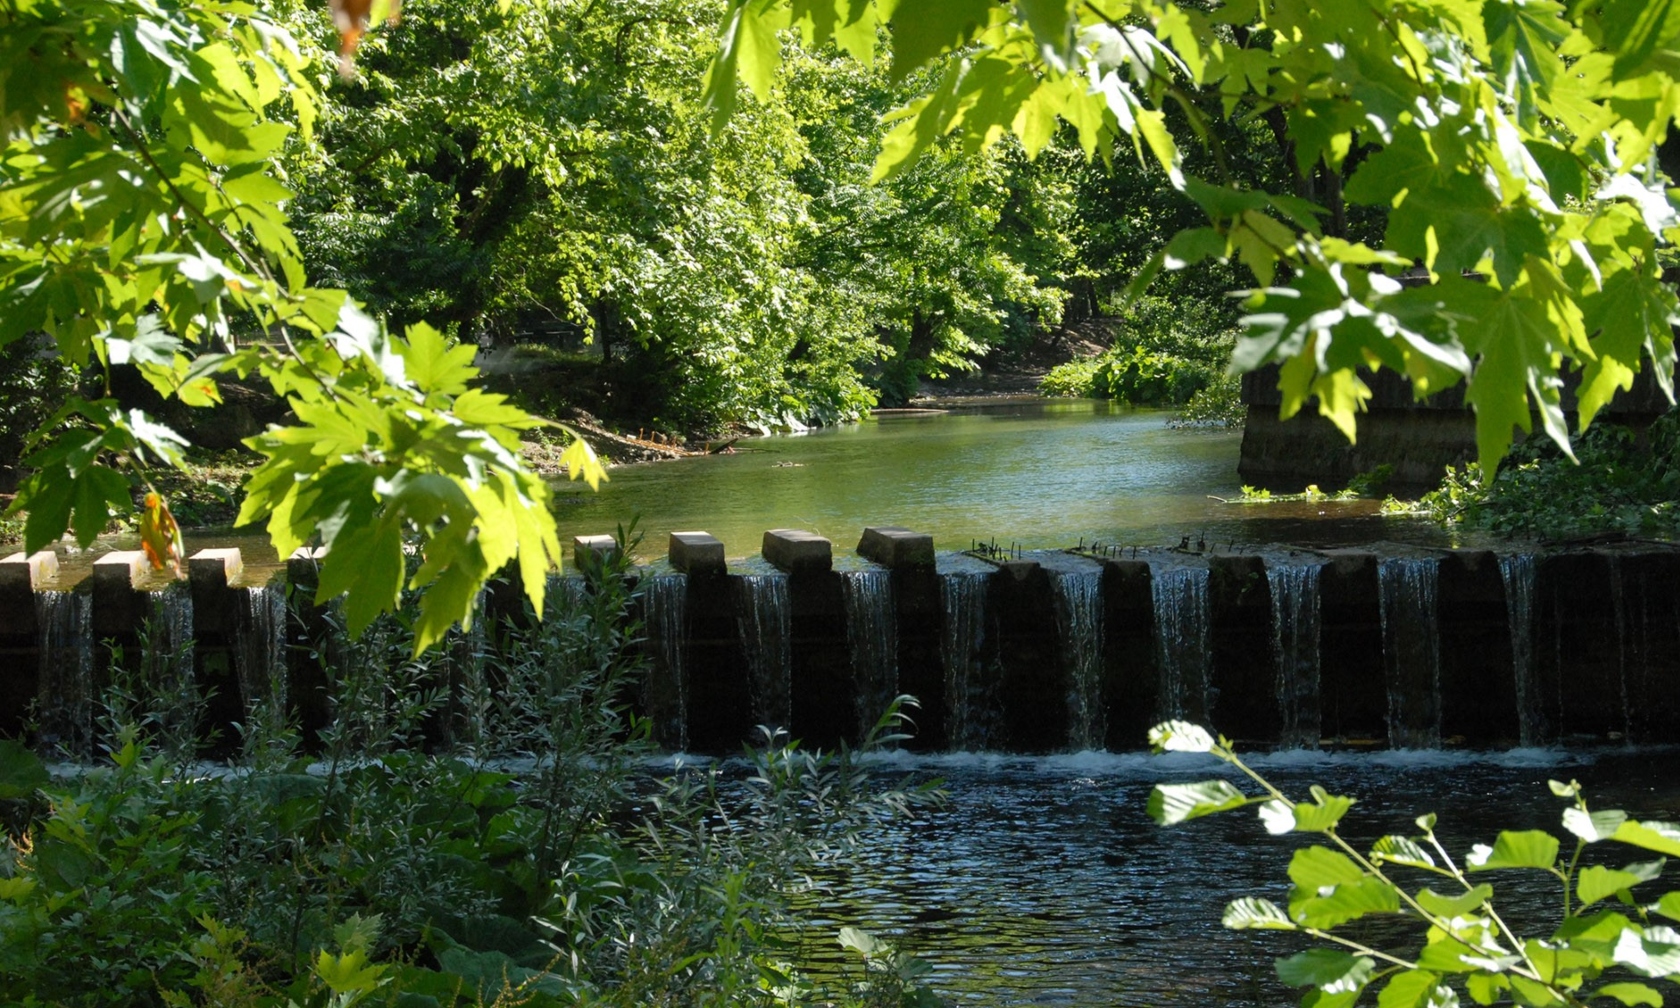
(1044, 883)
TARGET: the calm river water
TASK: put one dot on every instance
(1044, 883)
(1043, 473)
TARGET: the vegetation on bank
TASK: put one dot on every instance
(1163, 353)
(475, 826)
(1622, 481)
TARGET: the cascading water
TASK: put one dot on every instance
(65, 671)
(1407, 597)
(1183, 651)
(1618, 603)
(260, 657)
(763, 617)
(1078, 598)
(871, 641)
(1295, 645)
(966, 695)
(665, 600)
(1517, 571)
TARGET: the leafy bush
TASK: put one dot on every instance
(527, 859)
(1165, 353)
(1597, 952)
(1623, 481)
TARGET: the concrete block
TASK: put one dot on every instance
(893, 546)
(593, 549)
(697, 553)
(28, 572)
(215, 568)
(796, 550)
(1020, 570)
(126, 568)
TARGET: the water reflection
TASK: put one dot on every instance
(1043, 473)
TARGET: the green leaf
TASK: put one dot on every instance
(1180, 736)
(1402, 851)
(1416, 989)
(1624, 314)
(1596, 882)
(922, 29)
(1668, 905)
(1486, 988)
(1630, 994)
(1345, 902)
(1662, 837)
(1313, 868)
(1176, 803)
(21, 771)
(432, 364)
(1332, 970)
(1454, 906)
(1635, 29)
(1463, 222)
(1514, 849)
(1595, 826)
(97, 493)
(1251, 913)
(1654, 952)
(859, 941)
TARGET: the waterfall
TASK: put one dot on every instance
(1295, 635)
(1406, 591)
(964, 598)
(871, 641)
(260, 655)
(1618, 603)
(666, 604)
(764, 621)
(1518, 571)
(1079, 635)
(1183, 651)
(64, 622)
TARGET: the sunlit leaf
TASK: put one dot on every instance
(1176, 803)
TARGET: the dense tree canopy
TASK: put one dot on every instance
(1512, 144)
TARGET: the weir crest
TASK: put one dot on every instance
(1037, 652)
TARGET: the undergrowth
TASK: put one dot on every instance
(1624, 482)
(473, 826)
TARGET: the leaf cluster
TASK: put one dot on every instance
(1510, 146)
(1596, 953)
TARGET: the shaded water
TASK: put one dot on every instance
(1407, 590)
(1517, 573)
(1044, 883)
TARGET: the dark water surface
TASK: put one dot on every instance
(1044, 883)
(1044, 473)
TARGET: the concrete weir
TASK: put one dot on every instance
(1383, 646)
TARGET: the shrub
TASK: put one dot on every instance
(1623, 482)
(527, 859)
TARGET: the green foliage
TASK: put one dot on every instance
(143, 222)
(1621, 481)
(1467, 947)
(1510, 147)
(1163, 354)
(529, 858)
